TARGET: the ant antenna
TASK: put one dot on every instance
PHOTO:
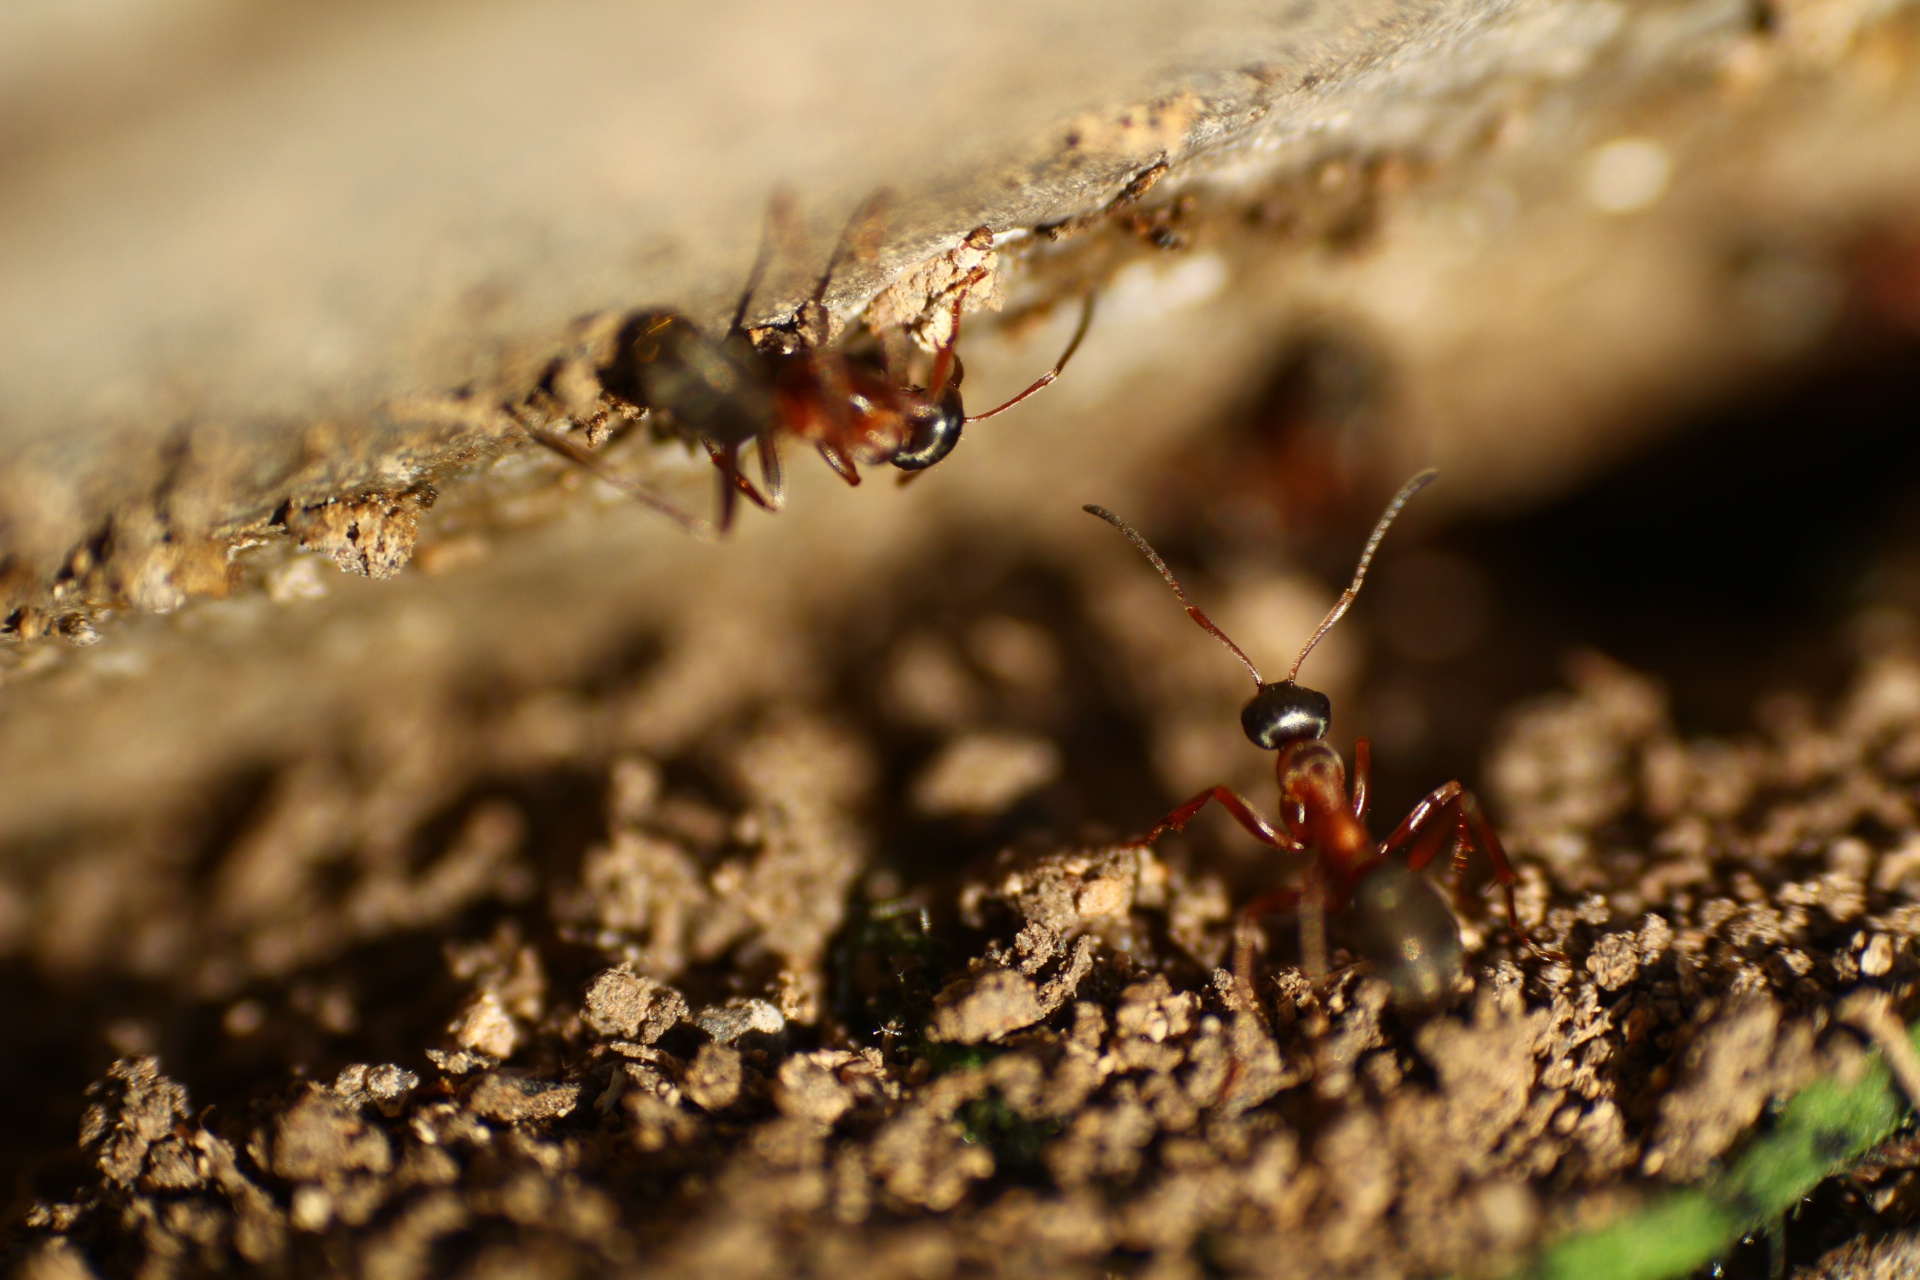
(1193, 610)
(1086, 319)
(1339, 609)
(945, 363)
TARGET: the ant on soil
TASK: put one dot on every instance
(1395, 917)
(752, 387)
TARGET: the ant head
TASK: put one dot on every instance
(933, 428)
(933, 425)
(1284, 713)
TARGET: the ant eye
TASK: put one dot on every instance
(1285, 712)
(932, 432)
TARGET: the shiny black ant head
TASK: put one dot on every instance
(933, 428)
(1284, 713)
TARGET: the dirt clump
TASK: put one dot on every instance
(734, 1037)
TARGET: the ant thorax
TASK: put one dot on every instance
(1311, 772)
(1313, 792)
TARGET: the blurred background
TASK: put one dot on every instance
(1642, 280)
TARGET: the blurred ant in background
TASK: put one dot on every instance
(746, 388)
(1292, 469)
(1393, 915)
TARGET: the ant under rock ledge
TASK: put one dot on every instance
(742, 388)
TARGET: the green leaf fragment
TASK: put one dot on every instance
(1823, 1130)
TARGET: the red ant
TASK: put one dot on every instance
(738, 390)
(1395, 916)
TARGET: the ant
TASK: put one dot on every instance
(747, 388)
(1394, 915)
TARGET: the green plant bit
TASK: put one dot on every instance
(1826, 1127)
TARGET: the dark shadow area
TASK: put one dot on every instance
(1724, 563)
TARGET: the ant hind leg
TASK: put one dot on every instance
(859, 242)
(1452, 817)
(779, 225)
(633, 489)
(1244, 931)
(1480, 834)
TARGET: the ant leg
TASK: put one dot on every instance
(842, 432)
(1313, 934)
(860, 241)
(1243, 934)
(1362, 776)
(767, 445)
(1448, 832)
(1045, 379)
(945, 361)
(1236, 806)
(779, 223)
(727, 459)
(1256, 826)
(841, 466)
(1419, 816)
(630, 488)
(1488, 840)
(1453, 811)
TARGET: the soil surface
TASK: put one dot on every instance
(591, 901)
(855, 974)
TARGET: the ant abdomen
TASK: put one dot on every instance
(716, 388)
(1400, 923)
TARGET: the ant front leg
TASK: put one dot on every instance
(1236, 805)
(1452, 816)
(1243, 812)
(945, 361)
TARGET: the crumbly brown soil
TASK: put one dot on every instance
(848, 974)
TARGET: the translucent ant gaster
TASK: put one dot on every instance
(1393, 915)
(746, 388)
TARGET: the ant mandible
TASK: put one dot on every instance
(728, 393)
(1395, 916)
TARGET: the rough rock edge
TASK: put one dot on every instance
(146, 554)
